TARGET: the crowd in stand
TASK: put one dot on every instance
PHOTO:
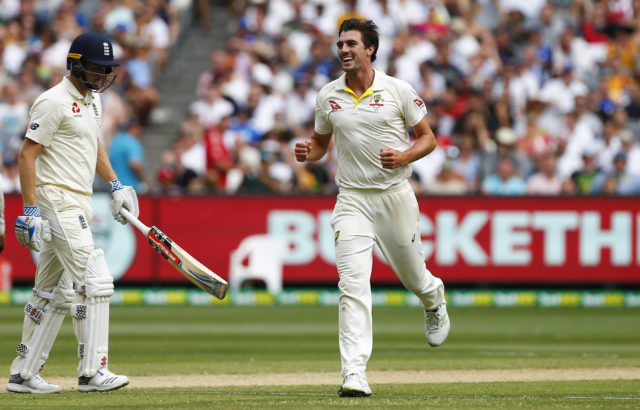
(537, 97)
(34, 40)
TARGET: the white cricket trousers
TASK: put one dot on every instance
(390, 219)
(62, 262)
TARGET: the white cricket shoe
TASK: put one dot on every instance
(36, 384)
(436, 325)
(103, 380)
(354, 385)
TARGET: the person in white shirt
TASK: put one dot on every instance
(369, 113)
(59, 158)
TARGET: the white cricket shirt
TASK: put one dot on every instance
(362, 127)
(67, 125)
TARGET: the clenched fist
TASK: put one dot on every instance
(302, 150)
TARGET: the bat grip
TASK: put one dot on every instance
(134, 221)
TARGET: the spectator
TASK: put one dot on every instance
(14, 115)
(448, 182)
(546, 181)
(619, 181)
(583, 178)
(504, 181)
(127, 156)
(140, 90)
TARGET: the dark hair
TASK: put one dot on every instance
(368, 30)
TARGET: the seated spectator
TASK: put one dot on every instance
(546, 181)
(448, 181)
(140, 91)
(212, 107)
(467, 163)
(583, 178)
(504, 181)
(618, 181)
(14, 116)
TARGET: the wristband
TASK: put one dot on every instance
(31, 211)
(114, 185)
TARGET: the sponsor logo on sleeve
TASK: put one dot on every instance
(418, 102)
(34, 126)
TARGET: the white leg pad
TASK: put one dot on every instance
(90, 312)
(41, 328)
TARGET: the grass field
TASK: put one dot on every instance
(193, 344)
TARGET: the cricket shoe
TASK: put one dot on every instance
(36, 384)
(437, 325)
(103, 380)
(354, 385)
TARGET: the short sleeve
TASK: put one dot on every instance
(45, 120)
(322, 124)
(413, 107)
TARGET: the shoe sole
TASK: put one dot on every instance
(352, 393)
(18, 388)
(88, 389)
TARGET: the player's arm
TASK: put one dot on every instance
(426, 142)
(27, 168)
(30, 228)
(103, 165)
(314, 148)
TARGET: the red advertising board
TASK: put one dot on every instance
(483, 240)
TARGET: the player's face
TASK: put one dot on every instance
(96, 75)
(352, 52)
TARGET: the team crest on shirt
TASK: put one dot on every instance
(377, 102)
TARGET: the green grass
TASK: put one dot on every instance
(148, 341)
(594, 395)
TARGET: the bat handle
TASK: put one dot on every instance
(134, 221)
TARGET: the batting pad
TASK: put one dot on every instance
(91, 315)
(35, 347)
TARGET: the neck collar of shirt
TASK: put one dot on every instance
(71, 89)
(377, 85)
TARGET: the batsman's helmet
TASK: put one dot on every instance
(92, 48)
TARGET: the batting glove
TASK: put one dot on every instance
(31, 229)
(123, 197)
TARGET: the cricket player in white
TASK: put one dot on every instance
(57, 164)
(369, 113)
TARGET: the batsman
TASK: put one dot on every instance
(59, 158)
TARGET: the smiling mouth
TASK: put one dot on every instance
(347, 59)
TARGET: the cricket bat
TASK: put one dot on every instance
(187, 265)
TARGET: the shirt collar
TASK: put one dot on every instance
(73, 91)
(378, 80)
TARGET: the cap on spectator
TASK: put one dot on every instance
(262, 74)
(589, 151)
(620, 155)
(130, 122)
(505, 136)
(625, 135)
(579, 89)
(458, 25)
